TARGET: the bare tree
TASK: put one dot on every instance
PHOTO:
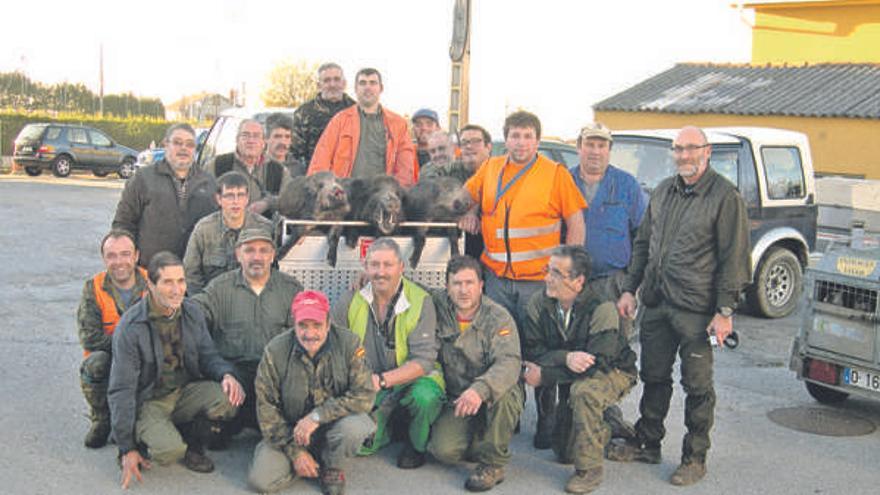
(290, 84)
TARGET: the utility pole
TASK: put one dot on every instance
(460, 54)
(101, 80)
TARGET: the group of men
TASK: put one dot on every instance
(191, 333)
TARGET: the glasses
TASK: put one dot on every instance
(555, 273)
(689, 148)
(469, 142)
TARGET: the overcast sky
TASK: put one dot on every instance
(553, 57)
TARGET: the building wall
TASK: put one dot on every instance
(834, 32)
(839, 146)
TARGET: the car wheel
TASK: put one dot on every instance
(127, 169)
(62, 165)
(33, 171)
(825, 395)
(100, 173)
(778, 284)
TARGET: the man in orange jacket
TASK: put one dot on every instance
(365, 139)
(104, 298)
(523, 199)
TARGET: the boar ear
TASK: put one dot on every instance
(293, 198)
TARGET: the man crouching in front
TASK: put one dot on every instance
(572, 339)
(314, 393)
(164, 378)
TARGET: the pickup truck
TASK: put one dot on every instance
(773, 170)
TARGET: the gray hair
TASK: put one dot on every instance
(580, 259)
(385, 244)
(328, 66)
(182, 126)
(249, 121)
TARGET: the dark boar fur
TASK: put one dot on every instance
(435, 199)
(377, 200)
(319, 197)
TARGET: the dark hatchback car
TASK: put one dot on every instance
(63, 148)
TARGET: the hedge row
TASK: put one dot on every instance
(134, 132)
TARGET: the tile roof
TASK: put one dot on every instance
(822, 90)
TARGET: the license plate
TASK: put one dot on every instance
(868, 380)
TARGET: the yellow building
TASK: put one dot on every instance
(815, 69)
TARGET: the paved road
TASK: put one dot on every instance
(49, 242)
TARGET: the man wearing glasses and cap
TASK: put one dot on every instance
(313, 394)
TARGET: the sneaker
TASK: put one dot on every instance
(584, 480)
(332, 481)
(409, 458)
(688, 473)
(196, 460)
(98, 433)
(629, 451)
(484, 477)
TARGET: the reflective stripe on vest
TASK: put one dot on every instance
(524, 228)
(404, 323)
(107, 305)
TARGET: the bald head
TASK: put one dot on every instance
(691, 151)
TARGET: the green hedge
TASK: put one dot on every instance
(134, 132)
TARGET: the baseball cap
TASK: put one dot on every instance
(249, 235)
(310, 305)
(426, 112)
(596, 130)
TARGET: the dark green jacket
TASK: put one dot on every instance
(593, 328)
(309, 122)
(242, 322)
(485, 357)
(290, 385)
(148, 209)
(692, 248)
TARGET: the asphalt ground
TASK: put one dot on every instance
(49, 247)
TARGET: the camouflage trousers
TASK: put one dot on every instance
(581, 433)
(609, 289)
(422, 399)
(483, 437)
(271, 470)
(156, 418)
(94, 375)
(665, 331)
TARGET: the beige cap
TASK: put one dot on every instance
(596, 130)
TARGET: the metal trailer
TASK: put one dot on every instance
(837, 349)
(307, 259)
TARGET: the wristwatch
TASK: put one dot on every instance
(382, 384)
(725, 311)
(315, 417)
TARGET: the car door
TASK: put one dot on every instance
(80, 147)
(106, 154)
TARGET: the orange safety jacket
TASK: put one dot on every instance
(107, 305)
(337, 148)
(521, 229)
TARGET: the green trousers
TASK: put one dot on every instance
(483, 437)
(665, 331)
(423, 400)
(94, 374)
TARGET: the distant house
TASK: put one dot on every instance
(797, 80)
(201, 107)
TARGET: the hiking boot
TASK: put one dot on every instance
(620, 427)
(688, 473)
(98, 433)
(584, 480)
(410, 458)
(484, 477)
(196, 460)
(629, 451)
(332, 481)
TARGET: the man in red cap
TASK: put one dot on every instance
(317, 373)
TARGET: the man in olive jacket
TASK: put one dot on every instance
(691, 261)
(161, 204)
(480, 356)
(573, 340)
(313, 394)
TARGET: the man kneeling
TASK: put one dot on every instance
(479, 352)
(164, 389)
(572, 339)
(313, 394)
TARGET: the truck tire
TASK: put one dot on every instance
(825, 395)
(778, 284)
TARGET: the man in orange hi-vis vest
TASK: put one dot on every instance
(104, 298)
(523, 199)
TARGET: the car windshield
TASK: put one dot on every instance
(32, 131)
(650, 161)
